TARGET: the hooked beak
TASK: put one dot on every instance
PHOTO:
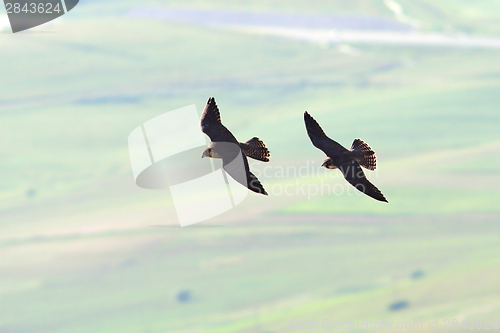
(206, 153)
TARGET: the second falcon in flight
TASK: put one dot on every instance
(348, 161)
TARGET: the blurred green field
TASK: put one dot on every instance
(85, 250)
(450, 16)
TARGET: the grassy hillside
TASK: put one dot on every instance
(85, 250)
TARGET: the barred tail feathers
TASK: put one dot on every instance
(364, 154)
(256, 149)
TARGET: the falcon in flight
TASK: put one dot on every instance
(225, 146)
(348, 161)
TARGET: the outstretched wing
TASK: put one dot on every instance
(235, 163)
(255, 185)
(319, 138)
(212, 126)
(356, 177)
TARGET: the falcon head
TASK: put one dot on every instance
(328, 164)
(207, 152)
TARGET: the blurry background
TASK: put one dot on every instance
(83, 249)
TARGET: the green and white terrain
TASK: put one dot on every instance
(83, 249)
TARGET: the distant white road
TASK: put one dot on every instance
(324, 29)
(374, 37)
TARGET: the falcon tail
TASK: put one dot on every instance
(364, 155)
(256, 149)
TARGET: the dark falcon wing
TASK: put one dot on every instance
(212, 126)
(356, 177)
(235, 164)
(253, 182)
(319, 138)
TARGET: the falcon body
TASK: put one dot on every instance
(348, 161)
(225, 146)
